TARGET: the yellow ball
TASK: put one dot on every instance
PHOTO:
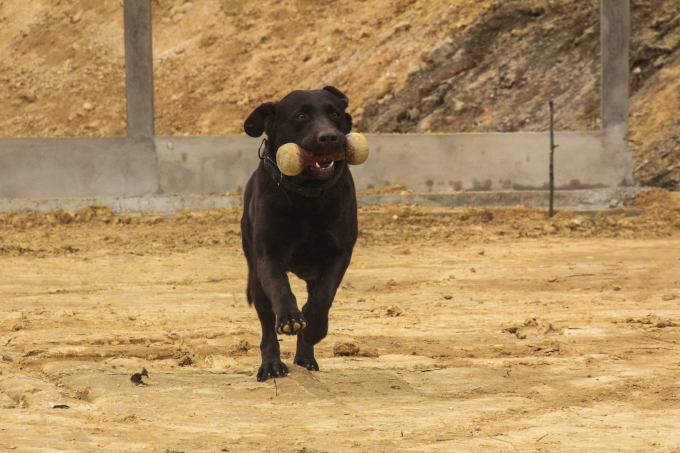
(289, 159)
(357, 149)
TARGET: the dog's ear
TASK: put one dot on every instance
(338, 94)
(255, 123)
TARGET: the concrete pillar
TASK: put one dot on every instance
(138, 68)
(615, 43)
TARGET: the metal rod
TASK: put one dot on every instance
(552, 160)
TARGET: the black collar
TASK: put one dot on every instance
(307, 190)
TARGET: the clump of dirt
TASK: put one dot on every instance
(185, 360)
(652, 320)
(345, 348)
(656, 198)
(533, 327)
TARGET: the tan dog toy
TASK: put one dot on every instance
(291, 159)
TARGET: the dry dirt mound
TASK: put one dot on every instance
(215, 61)
(407, 65)
(95, 230)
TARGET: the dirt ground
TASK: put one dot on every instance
(478, 330)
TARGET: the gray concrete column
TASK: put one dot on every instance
(615, 42)
(138, 68)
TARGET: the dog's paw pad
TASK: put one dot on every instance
(291, 324)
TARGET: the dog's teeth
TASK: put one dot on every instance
(317, 165)
(331, 165)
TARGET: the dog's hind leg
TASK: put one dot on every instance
(272, 366)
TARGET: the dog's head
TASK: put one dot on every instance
(315, 120)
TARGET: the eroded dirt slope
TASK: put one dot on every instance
(407, 66)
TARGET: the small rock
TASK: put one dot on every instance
(75, 19)
(552, 280)
(443, 51)
(431, 102)
(413, 114)
(458, 105)
(88, 106)
(29, 97)
(371, 109)
(185, 360)
(413, 70)
(494, 24)
(393, 311)
(448, 296)
(668, 297)
(244, 345)
(371, 353)
(617, 288)
(481, 252)
(382, 87)
(345, 348)
(549, 27)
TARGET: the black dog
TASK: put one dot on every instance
(305, 224)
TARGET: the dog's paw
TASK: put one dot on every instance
(275, 368)
(291, 324)
(310, 364)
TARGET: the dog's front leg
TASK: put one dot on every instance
(321, 294)
(272, 275)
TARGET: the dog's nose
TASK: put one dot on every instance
(328, 138)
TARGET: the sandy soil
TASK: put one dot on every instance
(478, 330)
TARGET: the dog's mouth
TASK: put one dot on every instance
(322, 170)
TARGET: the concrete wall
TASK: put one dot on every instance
(73, 167)
(498, 161)
(206, 164)
(423, 163)
(77, 167)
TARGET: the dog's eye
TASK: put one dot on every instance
(335, 115)
(301, 117)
